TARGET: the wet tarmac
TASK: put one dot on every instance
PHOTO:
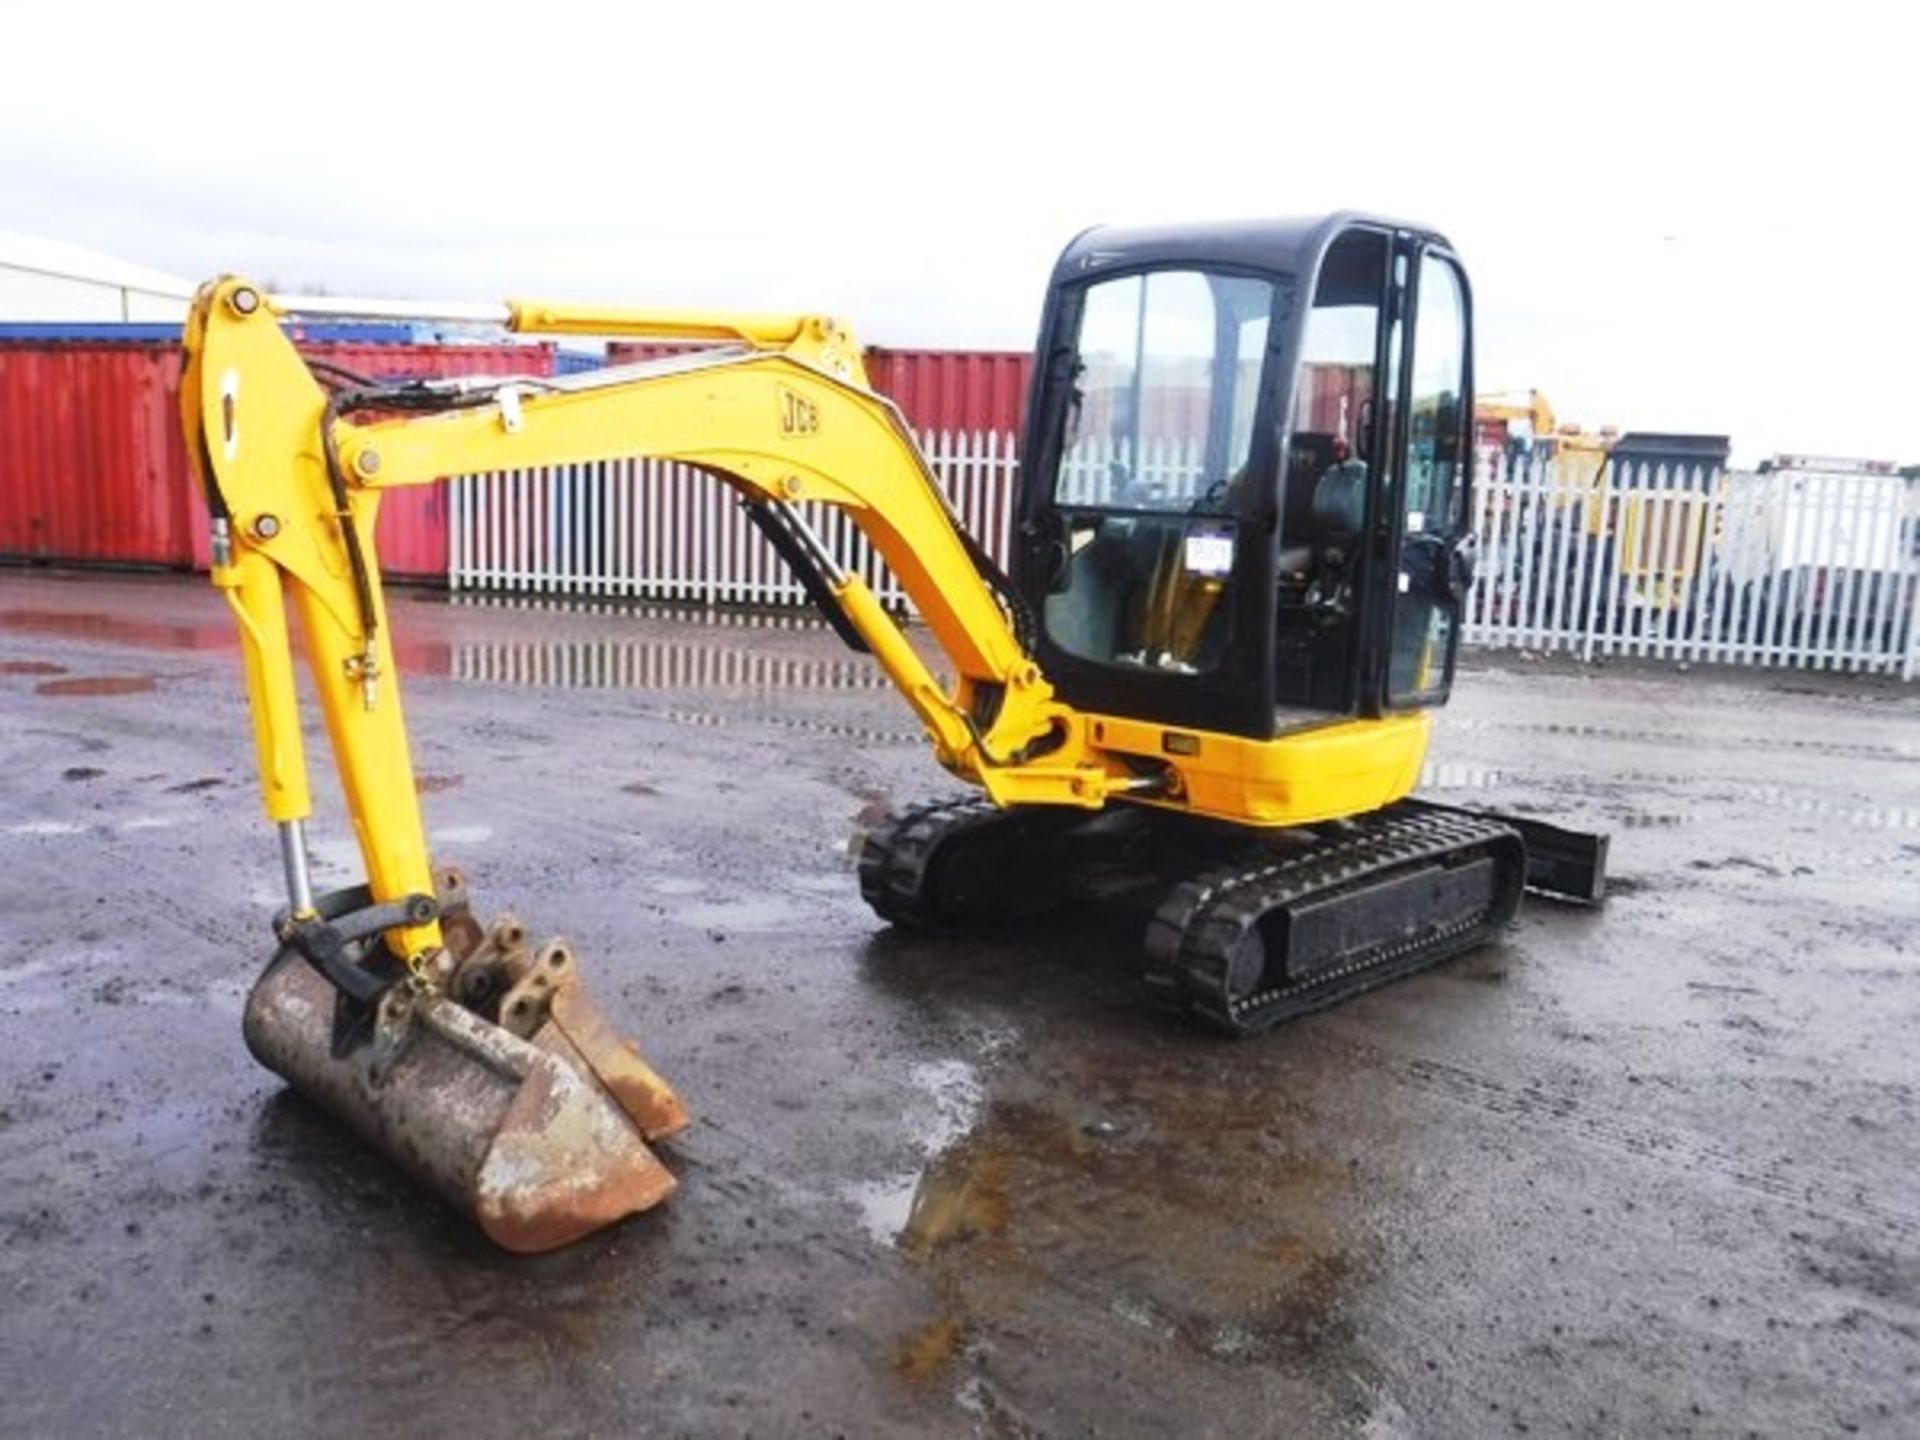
(1652, 1170)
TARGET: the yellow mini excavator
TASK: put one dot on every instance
(1218, 655)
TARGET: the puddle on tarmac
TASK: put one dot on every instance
(616, 662)
(50, 978)
(426, 657)
(672, 885)
(945, 1101)
(1707, 737)
(966, 1194)
(1862, 817)
(1453, 775)
(755, 915)
(1221, 1239)
(333, 854)
(925, 1353)
(461, 834)
(119, 630)
(653, 664)
(834, 885)
(97, 685)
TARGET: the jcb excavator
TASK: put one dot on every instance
(1219, 656)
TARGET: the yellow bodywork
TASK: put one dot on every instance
(784, 414)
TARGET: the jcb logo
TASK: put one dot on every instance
(798, 415)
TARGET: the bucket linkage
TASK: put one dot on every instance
(492, 1077)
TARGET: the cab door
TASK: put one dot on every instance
(1431, 509)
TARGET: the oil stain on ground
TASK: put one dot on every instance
(1237, 1262)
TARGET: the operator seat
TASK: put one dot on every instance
(1325, 518)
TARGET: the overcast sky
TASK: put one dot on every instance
(1675, 217)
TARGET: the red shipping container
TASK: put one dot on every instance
(954, 390)
(938, 390)
(93, 469)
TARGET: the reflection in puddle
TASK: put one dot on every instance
(1452, 775)
(1695, 738)
(962, 1196)
(616, 664)
(461, 834)
(673, 885)
(694, 662)
(1456, 775)
(752, 915)
(925, 1353)
(652, 663)
(333, 854)
(945, 1102)
(335, 857)
(424, 657)
(1866, 817)
(118, 630)
(90, 685)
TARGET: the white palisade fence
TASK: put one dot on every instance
(653, 530)
(1792, 568)
(1800, 569)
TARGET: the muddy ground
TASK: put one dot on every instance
(1645, 1171)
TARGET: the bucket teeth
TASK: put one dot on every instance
(535, 1127)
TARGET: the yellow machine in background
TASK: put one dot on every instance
(1226, 672)
(1520, 425)
(1643, 499)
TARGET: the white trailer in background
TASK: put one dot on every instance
(1819, 552)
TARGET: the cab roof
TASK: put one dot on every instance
(1293, 246)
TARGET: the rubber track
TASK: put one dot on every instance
(1192, 937)
(896, 857)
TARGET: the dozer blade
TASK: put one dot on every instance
(539, 1136)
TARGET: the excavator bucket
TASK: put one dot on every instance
(505, 1090)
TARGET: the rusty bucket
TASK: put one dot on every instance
(506, 1091)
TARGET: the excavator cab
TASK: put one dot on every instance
(1247, 474)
